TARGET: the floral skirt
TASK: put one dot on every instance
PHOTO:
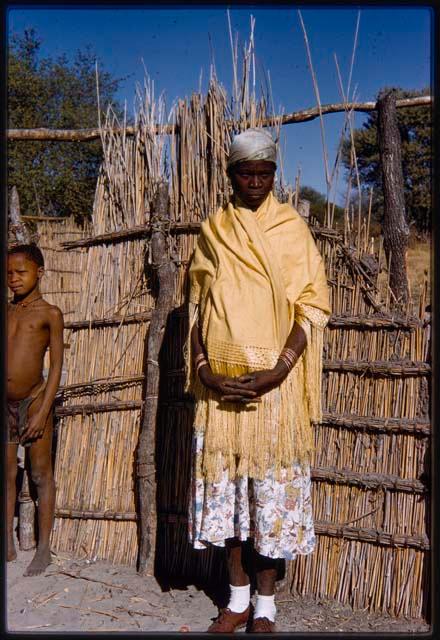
(276, 514)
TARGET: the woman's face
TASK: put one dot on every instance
(252, 181)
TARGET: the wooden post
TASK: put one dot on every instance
(304, 209)
(395, 226)
(145, 464)
(26, 520)
(18, 233)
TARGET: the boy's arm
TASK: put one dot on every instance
(36, 424)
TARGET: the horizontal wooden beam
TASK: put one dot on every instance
(336, 530)
(144, 231)
(111, 321)
(373, 323)
(99, 385)
(134, 233)
(98, 407)
(45, 134)
(332, 529)
(314, 112)
(88, 514)
(305, 115)
(373, 536)
(383, 368)
(62, 291)
(379, 322)
(58, 270)
(175, 228)
(380, 368)
(416, 426)
(46, 218)
(326, 474)
(382, 425)
(395, 369)
(367, 480)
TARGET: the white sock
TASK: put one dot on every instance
(265, 607)
(240, 598)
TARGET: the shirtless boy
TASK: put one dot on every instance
(33, 326)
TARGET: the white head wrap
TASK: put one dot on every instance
(252, 144)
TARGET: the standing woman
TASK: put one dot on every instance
(258, 307)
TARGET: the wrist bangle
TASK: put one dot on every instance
(289, 357)
(285, 363)
(201, 363)
(290, 353)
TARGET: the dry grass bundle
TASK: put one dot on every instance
(61, 284)
(93, 538)
(368, 576)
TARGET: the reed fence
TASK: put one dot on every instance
(371, 482)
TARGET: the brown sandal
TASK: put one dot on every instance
(262, 625)
(228, 621)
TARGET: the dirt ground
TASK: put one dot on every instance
(80, 595)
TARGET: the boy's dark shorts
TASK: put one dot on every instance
(18, 415)
(17, 418)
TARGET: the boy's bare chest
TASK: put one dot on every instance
(25, 325)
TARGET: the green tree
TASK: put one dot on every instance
(415, 130)
(54, 178)
(318, 204)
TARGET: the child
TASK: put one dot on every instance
(33, 325)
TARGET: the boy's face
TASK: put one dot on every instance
(23, 274)
(252, 181)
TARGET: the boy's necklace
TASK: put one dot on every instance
(23, 305)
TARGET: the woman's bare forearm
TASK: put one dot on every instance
(196, 342)
(297, 341)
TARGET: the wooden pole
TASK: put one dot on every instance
(145, 467)
(305, 115)
(18, 232)
(175, 228)
(26, 530)
(395, 226)
(304, 209)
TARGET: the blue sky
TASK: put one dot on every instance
(177, 44)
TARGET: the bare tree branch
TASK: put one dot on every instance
(83, 135)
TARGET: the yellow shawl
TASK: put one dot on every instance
(252, 275)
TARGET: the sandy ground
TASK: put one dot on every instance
(80, 595)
